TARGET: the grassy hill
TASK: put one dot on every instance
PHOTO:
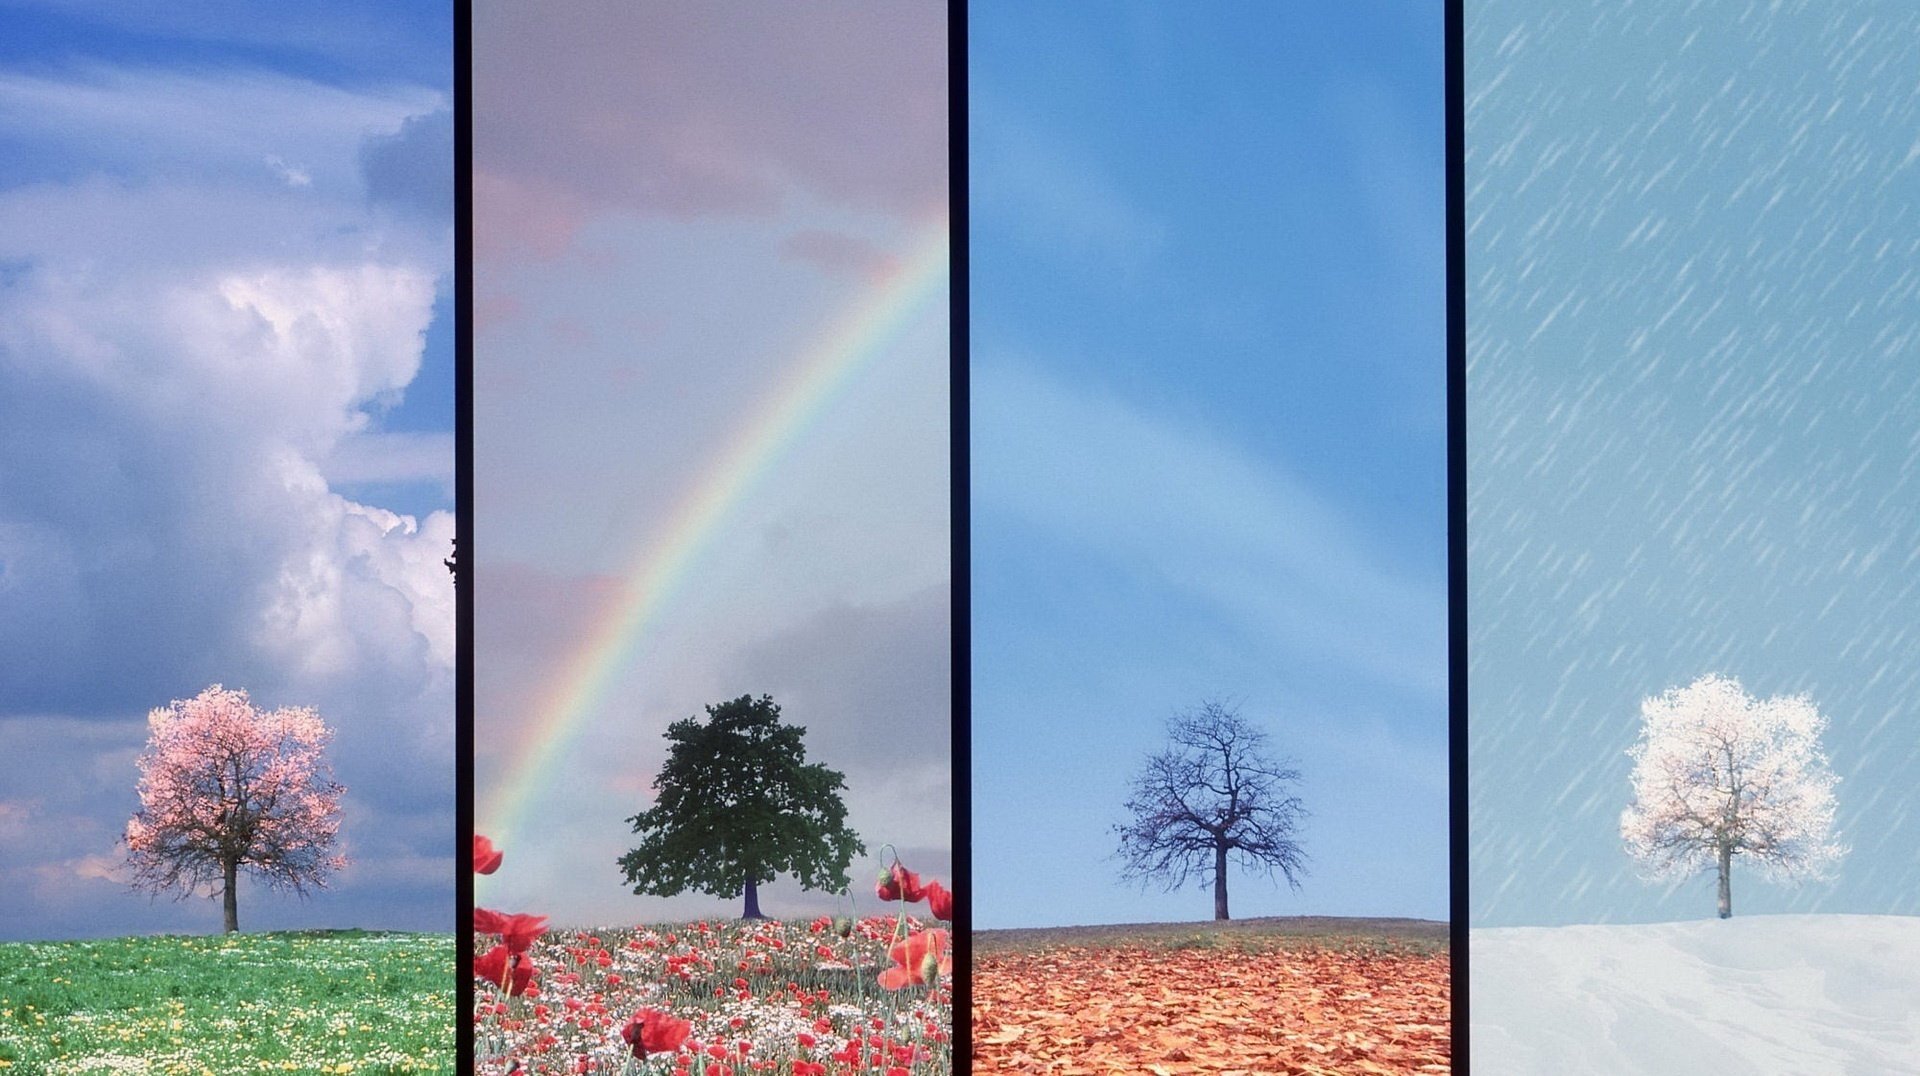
(375, 1004)
(1416, 935)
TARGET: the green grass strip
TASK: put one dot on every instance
(368, 1003)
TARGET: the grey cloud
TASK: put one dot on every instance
(412, 168)
(874, 682)
(677, 109)
(838, 253)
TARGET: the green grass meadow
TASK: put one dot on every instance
(371, 1003)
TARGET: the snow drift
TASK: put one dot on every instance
(1772, 994)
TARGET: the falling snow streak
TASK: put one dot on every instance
(1693, 423)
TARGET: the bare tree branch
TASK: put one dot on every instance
(1214, 794)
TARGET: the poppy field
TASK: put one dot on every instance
(1254, 996)
(721, 997)
(372, 1004)
(839, 996)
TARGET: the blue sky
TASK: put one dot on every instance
(1208, 437)
(1693, 426)
(226, 415)
(672, 202)
(338, 43)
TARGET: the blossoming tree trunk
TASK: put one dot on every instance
(230, 899)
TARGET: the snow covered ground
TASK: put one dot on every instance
(1768, 994)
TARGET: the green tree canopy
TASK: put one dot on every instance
(737, 804)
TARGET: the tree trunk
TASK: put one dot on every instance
(1726, 882)
(753, 901)
(1220, 883)
(231, 898)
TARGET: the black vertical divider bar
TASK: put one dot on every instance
(1457, 532)
(463, 530)
(959, 490)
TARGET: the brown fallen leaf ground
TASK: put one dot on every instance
(1252, 997)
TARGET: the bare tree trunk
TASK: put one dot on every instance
(232, 899)
(1726, 881)
(1220, 883)
(753, 901)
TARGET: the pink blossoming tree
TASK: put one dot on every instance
(224, 785)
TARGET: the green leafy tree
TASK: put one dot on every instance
(737, 804)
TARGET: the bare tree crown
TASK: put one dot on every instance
(1215, 793)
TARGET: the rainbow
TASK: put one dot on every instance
(661, 564)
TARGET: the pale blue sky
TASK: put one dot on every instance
(1208, 436)
(1693, 425)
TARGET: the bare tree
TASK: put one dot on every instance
(1213, 793)
(1718, 773)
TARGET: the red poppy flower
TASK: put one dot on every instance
(939, 901)
(900, 884)
(917, 959)
(486, 858)
(493, 967)
(653, 1032)
(517, 931)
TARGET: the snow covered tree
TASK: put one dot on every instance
(737, 804)
(1212, 793)
(1718, 773)
(224, 786)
